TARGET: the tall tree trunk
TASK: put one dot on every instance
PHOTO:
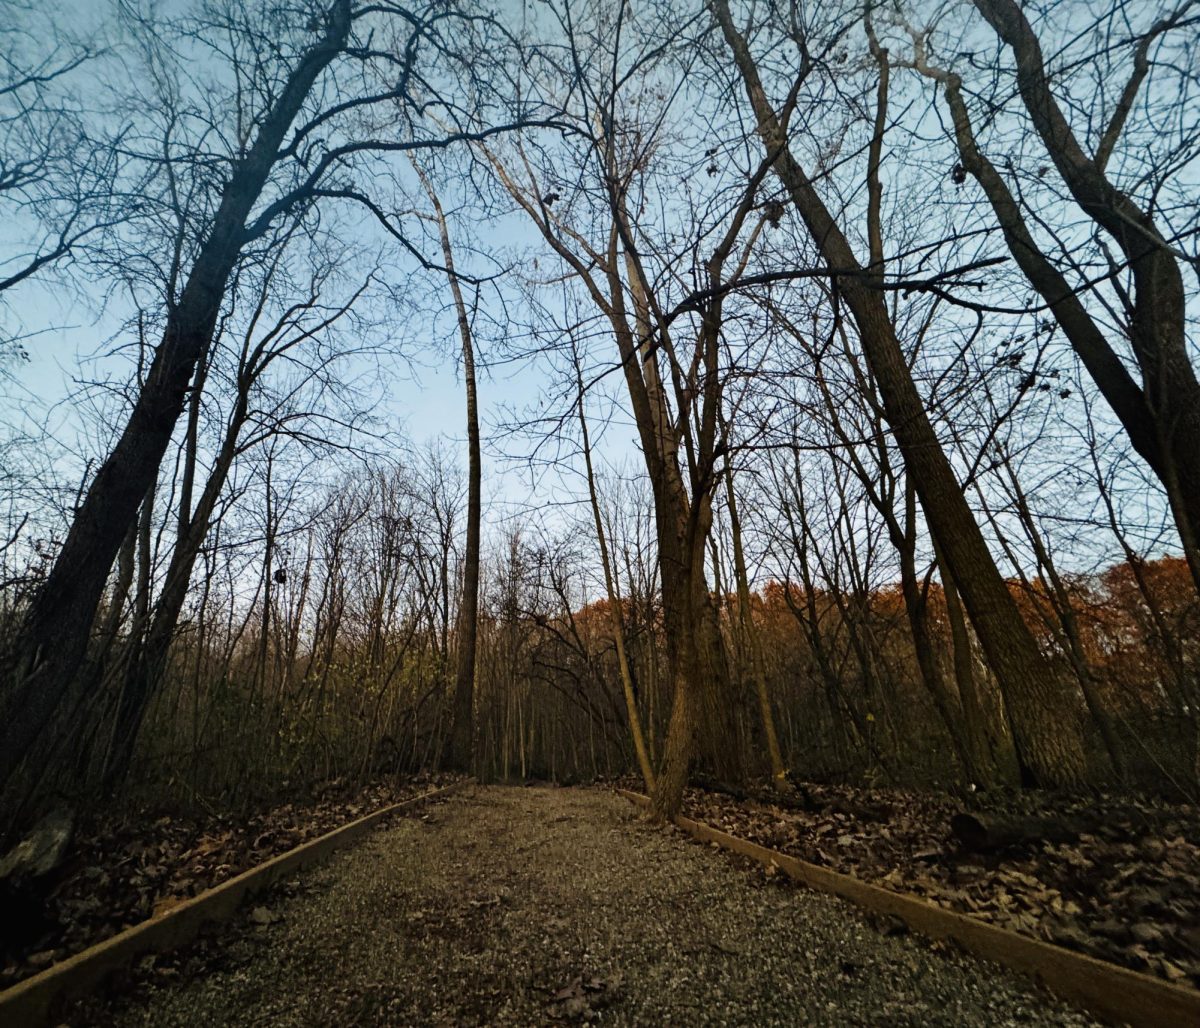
(751, 637)
(992, 744)
(1048, 737)
(948, 706)
(148, 661)
(616, 619)
(462, 729)
(45, 656)
(681, 482)
(695, 645)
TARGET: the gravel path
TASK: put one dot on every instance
(509, 906)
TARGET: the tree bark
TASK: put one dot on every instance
(1048, 738)
(1161, 415)
(46, 655)
(461, 756)
(148, 660)
(616, 620)
(991, 744)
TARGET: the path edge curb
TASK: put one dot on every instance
(1113, 992)
(30, 1002)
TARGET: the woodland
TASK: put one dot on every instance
(826, 456)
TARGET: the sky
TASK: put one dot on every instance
(425, 398)
(67, 325)
(422, 398)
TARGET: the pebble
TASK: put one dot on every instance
(568, 909)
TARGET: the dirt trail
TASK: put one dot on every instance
(510, 906)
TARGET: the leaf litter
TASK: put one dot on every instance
(1125, 890)
(602, 919)
(121, 870)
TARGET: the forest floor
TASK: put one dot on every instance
(121, 869)
(522, 906)
(1115, 877)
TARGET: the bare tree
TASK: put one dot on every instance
(1161, 413)
(57, 179)
(1048, 742)
(614, 599)
(292, 151)
(248, 425)
(462, 732)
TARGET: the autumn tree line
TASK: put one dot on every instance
(868, 445)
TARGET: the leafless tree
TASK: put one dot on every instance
(309, 104)
(1118, 310)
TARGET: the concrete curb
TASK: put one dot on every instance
(30, 1003)
(1107, 990)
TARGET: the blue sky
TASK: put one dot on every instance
(68, 327)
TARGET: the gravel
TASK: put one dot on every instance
(524, 906)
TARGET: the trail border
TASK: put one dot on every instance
(30, 1003)
(1108, 990)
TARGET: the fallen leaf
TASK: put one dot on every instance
(263, 916)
